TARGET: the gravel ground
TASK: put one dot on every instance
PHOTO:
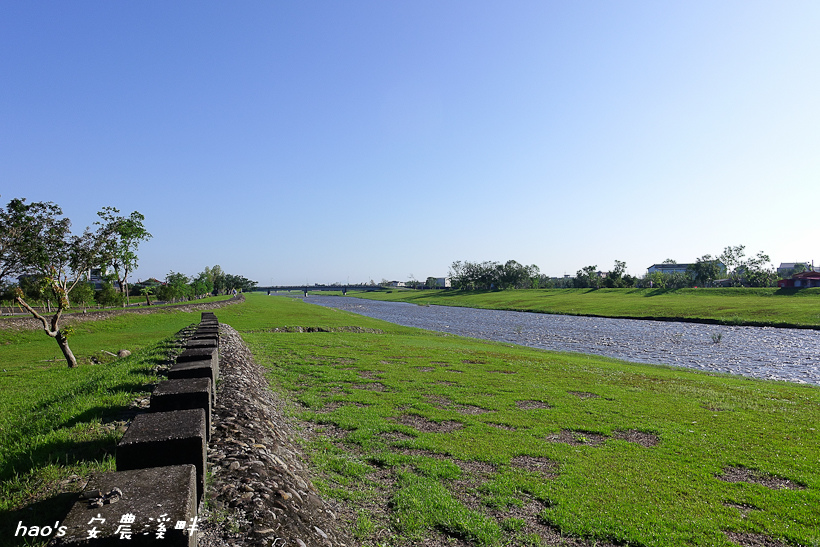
(760, 352)
(259, 491)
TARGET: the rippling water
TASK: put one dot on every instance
(762, 352)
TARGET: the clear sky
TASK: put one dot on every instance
(322, 142)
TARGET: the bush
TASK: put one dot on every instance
(82, 293)
(108, 296)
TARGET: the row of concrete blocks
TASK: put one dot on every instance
(153, 496)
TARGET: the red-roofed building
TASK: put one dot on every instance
(800, 281)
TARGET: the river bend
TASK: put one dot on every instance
(761, 352)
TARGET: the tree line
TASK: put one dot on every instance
(730, 268)
(53, 264)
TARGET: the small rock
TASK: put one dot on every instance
(300, 542)
(123, 353)
(320, 532)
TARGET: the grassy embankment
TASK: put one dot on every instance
(735, 306)
(55, 422)
(428, 433)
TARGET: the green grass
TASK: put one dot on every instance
(736, 306)
(371, 388)
(384, 394)
(53, 419)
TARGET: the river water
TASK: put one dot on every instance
(762, 352)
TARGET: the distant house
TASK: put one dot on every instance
(443, 283)
(397, 284)
(668, 268)
(787, 268)
(801, 280)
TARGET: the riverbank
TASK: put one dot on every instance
(759, 352)
(765, 307)
(434, 439)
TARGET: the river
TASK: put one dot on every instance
(761, 352)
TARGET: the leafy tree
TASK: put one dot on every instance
(20, 221)
(108, 295)
(587, 277)
(176, 287)
(82, 293)
(40, 243)
(147, 292)
(705, 270)
(120, 250)
(615, 277)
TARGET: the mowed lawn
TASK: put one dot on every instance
(425, 436)
(429, 434)
(58, 424)
(764, 306)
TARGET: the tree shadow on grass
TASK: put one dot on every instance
(40, 513)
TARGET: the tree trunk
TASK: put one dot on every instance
(62, 341)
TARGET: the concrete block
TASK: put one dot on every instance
(165, 438)
(202, 343)
(156, 498)
(185, 394)
(194, 369)
(205, 336)
(201, 354)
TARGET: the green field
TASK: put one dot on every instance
(735, 306)
(423, 435)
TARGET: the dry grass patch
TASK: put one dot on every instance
(532, 405)
(753, 476)
(584, 394)
(642, 438)
(545, 466)
(370, 386)
(754, 540)
(428, 426)
(577, 438)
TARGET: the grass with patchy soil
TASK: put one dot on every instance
(428, 436)
(733, 306)
(436, 439)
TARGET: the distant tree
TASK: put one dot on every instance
(733, 260)
(147, 292)
(756, 271)
(705, 270)
(239, 283)
(587, 277)
(40, 243)
(615, 277)
(108, 295)
(204, 282)
(176, 287)
(431, 283)
(669, 261)
(82, 293)
(19, 222)
(120, 249)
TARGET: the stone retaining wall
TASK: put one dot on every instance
(154, 494)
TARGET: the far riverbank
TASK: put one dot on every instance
(758, 352)
(763, 307)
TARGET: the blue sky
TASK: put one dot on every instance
(323, 142)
